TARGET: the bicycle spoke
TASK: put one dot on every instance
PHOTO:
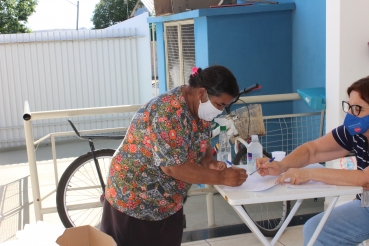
(269, 217)
(83, 213)
(81, 191)
(86, 191)
(84, 174)
(98, 215)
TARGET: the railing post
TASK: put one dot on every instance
(32, 161)
(210, 206)
(53, 150)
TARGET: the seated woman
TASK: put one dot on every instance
(348, 224)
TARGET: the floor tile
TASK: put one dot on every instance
(244, 239)
(196, 243)
(292, 236)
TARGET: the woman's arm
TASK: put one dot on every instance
(193, 173)
(322, 149)
(328, 176)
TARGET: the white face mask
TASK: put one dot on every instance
(207, 111)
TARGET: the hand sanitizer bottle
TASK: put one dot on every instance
(254, 151)
(224, 152)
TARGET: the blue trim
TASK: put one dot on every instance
(202, 42)
(161, 57)
(223, 11)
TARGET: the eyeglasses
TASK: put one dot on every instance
(355, 109)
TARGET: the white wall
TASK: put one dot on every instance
(73, 69)
(140, 24)
(347, 55)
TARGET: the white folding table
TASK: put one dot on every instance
(236, 198)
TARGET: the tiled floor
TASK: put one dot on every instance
(17, 208)
(291, 237)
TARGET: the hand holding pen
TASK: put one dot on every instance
(229, 163)
(270, 160)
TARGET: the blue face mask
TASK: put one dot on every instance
(356, 125)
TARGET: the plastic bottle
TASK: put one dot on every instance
(224, 152)
(254, 151)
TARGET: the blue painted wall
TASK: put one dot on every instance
(308, 46)
(256, 47)
(254, 42)
(281, 50)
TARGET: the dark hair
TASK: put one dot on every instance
(362, 87)
(216, 80)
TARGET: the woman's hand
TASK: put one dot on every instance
(233, 176)
(217, 165)
(209, 162)
(294, 176)
(271, 168)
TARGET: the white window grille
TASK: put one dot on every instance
(179, 51)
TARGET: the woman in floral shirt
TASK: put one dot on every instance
(166, 149)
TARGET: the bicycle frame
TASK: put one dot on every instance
(92, 148)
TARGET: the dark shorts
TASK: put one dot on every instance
(129, 231)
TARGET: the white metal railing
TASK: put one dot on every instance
(29, 116)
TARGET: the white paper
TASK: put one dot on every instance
(311, 185)
(256, 182)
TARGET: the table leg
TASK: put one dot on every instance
(251, 224)
(287, 221)
(248, 221)
(323, 220)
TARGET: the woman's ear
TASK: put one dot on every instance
(202, 94)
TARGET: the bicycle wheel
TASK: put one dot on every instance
(241, 156)
(268, 217)
(79, 196)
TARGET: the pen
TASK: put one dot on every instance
(230, 163)
(270, 160)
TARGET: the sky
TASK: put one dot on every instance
(61, 14)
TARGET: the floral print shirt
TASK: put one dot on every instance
(161, 133)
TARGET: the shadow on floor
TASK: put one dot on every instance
(14, 208)
(231, 230)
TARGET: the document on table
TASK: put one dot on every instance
(311, 185)
(256, 182)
